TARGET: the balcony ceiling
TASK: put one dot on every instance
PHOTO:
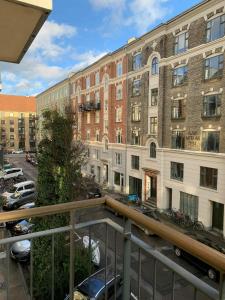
(20, 21)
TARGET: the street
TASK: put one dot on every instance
(163, 275)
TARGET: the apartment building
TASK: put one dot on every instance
(18, 122)
(56, 97)
(152, 115)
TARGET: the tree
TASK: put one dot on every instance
(59, 180)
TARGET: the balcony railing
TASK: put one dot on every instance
(129, 241)
(89, 106)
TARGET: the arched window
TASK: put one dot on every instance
(155, 66)
(153, 150)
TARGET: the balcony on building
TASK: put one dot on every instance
(89, 106)
(123, 253)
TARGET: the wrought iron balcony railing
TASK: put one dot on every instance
(89, 106)
(121, 260)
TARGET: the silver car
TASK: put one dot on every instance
(20, 251)
(18, 199)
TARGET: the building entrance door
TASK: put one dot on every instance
(217, 216)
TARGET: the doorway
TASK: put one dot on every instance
(217, 216)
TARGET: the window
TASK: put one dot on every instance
(88, 135)
(215, 28)
(119, 114)
(11, 137)
(88, 118)
(135, 162)
(88, 82)
(11, 122)
(3, 122)
(118, 136)
(97, 135)
(106, 145)
(119, 92)
(11, 115)
(208, 177)
(189, 205)
(97, 79)
(118, 158)
(177, 171)
(181, 43)
(210, 141)
(136, 88)
(154, 97)
(212, 106)
(153, 125)
(135, 138)
(136, 113)
(155, 66)
(119, 69)
(116, 178)
(177, 109)
(180, 75)
(214, 67)
(11, 129)
(97, 117)
(153, 150)
(96, 153)
(178, 139)
(97, 97)
(92, 170)
(137, 61)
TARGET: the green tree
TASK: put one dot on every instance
(59, 180)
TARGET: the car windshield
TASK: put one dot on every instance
(91, 287)
(12, 189)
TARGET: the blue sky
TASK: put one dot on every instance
(77, 33)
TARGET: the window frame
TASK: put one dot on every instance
(136, 113)
(209, 26)
(217, 106)
(177, 80)
(209, 70)
(207, 148)
(135, 162)
(137, 64)
(155, 66)
(208, 172)
(180, 139)
(177, 171)
(119, 69)
(154, 97)
(153, 125)
(177, 39)
(136, 87)
(119, 95)
(135, 137)
(152, 150)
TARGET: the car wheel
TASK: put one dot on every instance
(212, 274)
(177, 252)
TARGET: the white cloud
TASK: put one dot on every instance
(138, 13)
(50, 41)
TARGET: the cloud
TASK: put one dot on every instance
(50, 59)
(140, 14)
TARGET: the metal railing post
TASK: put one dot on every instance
(126, 259)
(222, 286)
(72, 252)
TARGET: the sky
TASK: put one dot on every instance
(79, 32)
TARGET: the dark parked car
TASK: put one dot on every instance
(10, 224)
(22, 227)
(20, 251)
(18, 199)
(94, 193)
(202, 266)
(93, 287)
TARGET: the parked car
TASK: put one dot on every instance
(94, 287)
(94, 193)
(18, 187)
(19, 198)
(22, 227)
(7, 166)
(20, 251)
(10, 224)
(147, 212)
(202, 266)
(17, 151)
(11, 173)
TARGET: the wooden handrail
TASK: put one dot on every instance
(208, 255)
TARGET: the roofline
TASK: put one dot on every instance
(51, 87)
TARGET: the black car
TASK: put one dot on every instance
(94, 193)
(202, 266)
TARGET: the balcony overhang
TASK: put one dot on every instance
(20, 21)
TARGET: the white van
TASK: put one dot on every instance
(19, 187)
(11, 173)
